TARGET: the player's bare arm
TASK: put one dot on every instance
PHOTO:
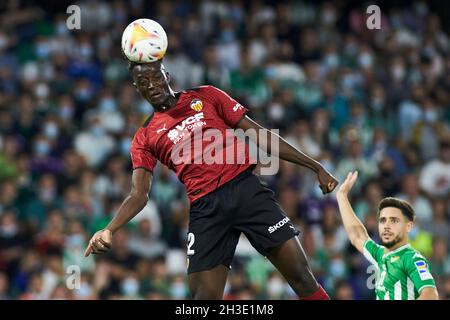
(131, 206)
(428, 294)
(289, 153)
(356, 231)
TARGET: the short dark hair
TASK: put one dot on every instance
(404, 206)
(131, 65)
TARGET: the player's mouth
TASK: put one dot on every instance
(156, 96)
(387, 235)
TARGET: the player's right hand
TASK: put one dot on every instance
(347, 185)
(100, 242)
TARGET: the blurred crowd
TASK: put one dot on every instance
(376, 101)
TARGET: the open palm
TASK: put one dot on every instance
(347, 185)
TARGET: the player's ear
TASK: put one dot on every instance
(409, 226)
(167, 75)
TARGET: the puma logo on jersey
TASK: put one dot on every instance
(162, 129)
(237, 107)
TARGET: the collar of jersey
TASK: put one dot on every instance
(397, 250)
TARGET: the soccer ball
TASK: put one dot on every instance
(144, 40)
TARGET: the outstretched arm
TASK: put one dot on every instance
(131, 206)
(356, 231)
(287, 152)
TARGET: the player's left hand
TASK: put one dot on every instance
(99, 243)
(327, 182)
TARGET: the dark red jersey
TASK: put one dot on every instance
(192, 137)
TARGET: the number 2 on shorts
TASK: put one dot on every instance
(191, 240)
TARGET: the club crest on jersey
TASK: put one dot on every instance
(196, 105)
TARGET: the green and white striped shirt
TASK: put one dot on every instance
(400, 274)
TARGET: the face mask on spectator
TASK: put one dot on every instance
(178, 290)
(83, 94)
(125, 146)
(377, 104)
(47, 195)
(275, 287)
(3, 41)
(227, 36)
(332, 60)
(276, 111)
(431, 116)
(365, 60)
(42, 50)
(130, 287)
(9, 231)
(66, 112)
(398, 72)
(84, 291)
(51, 130)
(351, 48)
(108, 105)
(61, 28)
(42, 148)
(97, 131)
(348, 81)
(86, 52)
(41, 91)
(380, 144)
(337, 268)
(75, 241)
(270, 72)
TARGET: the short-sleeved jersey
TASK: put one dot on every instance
(192, 137)
(400, 274)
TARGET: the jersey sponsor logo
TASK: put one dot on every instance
(422, 268)
(277, 226)
(237, 107)
(196, 105)
(189, 124)
(162, 129)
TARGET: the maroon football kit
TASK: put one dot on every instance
(202, 109)
(226, 197)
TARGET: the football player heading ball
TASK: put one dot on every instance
(226, 199)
